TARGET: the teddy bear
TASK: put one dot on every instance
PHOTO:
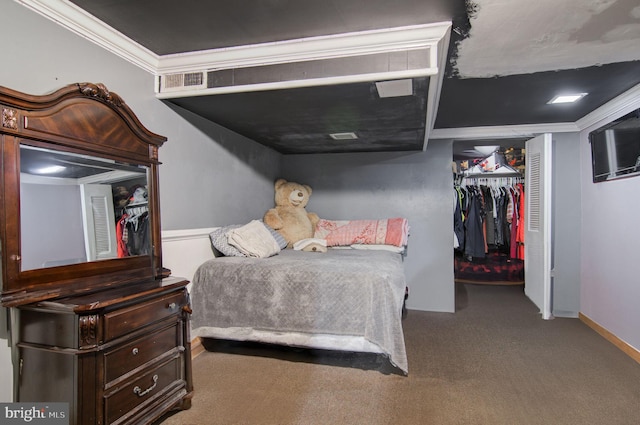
(289, 217)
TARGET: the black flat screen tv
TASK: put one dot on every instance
(615, 149)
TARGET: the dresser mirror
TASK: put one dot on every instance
(77, 208)
(96, 321)
(80, 194)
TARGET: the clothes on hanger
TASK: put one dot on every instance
(490, 214)
(132, 231)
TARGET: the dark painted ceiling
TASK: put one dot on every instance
(298, 120)
(169, 26)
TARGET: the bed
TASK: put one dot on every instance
(341, 299)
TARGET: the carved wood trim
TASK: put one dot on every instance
(89, 330)
(83, 118)
(10, 118)
(100, 91)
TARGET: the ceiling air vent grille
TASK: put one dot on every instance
(182, 81)
(343, 136)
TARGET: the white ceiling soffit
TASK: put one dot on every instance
(572, 39)
(414, 37)
(427, 40)
(432, 38)
(311, 48)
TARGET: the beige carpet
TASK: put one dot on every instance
(492, 362)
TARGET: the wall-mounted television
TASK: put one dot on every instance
(615, 148)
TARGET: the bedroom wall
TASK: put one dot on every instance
(416, 185)
(209, 177)
(609, 257)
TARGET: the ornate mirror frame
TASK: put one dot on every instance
(82, 118)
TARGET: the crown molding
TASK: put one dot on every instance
(312, 48)
(431, 36)
(503, 131)
(75, 19)
(618, 106)
(625, 103)
(438, 57)
(71, 17)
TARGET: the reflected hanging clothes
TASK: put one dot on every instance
(122, 236)
(138, 234)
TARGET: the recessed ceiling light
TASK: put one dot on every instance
(343, 136)
(395, 88)
(567, 98)
(51, 170)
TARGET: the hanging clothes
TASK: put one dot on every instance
(122, 236)
(521, 221)
(138, 234)
(474, 226)
(490, 213)
(132, 230)
(458, 220)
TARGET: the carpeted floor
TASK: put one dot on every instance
(492, 362)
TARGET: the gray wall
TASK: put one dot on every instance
(566, 225)
(209, 177)
(417, 186)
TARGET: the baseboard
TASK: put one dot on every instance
(196, 347)
(626, 348)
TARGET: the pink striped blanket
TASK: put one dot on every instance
(392, 231)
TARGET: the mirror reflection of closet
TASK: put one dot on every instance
(79, 208)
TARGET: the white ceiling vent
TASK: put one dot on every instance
(395, 88)
(343, 136)
(183, 81)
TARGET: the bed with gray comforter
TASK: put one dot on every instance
(344, 299)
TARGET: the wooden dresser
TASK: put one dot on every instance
(96, 321)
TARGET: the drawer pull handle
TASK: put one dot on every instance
(137, 390)
(172, 306)
(135, 351)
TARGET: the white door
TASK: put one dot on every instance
(99, 221)
(537, 238)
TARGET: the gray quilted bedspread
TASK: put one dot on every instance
(340, 292)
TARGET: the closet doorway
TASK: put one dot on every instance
(489, 213)
(502, 215)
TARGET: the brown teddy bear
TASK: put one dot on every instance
(289, 217)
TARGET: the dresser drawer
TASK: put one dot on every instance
(134, 354)
(144, 390)
(123, 321)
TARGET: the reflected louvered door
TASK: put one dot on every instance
(98, 221)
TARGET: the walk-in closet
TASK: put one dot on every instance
(488, 216)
